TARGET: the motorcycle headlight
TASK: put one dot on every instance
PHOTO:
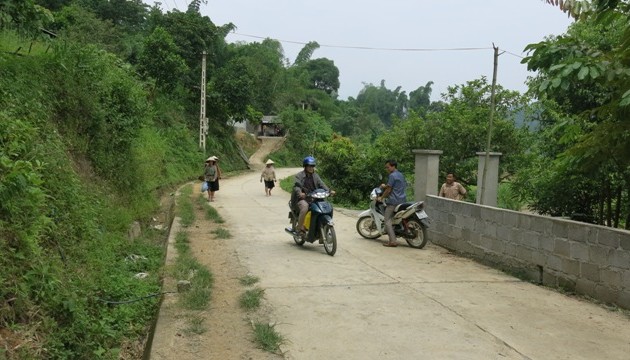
(375, 193)
(320, 195)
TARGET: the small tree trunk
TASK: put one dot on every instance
(618, 206)
(608, 204)
(600, 205)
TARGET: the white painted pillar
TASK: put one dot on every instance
(426, 174)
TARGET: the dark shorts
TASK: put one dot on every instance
(213, 185)
(269, 184)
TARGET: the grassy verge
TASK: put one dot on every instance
(195, 325)
(210, 212)
(265, 334)
(250, 300)
(187, 268)
(185, 208)
(222, 233)
(248, 280)
(267, 337)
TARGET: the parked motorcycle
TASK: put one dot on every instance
(410, 221)
(318, 222)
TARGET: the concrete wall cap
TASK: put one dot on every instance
(427, 152)
(480, 153)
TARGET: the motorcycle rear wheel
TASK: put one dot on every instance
(419, 238)
(367, 228)
(329, 239)
(297, 237)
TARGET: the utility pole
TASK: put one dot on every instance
(203, 120)
(488, 140)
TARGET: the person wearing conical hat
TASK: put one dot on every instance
(269, 177)
(211, 176)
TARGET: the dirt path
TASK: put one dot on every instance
(267, 146)
(225, 330)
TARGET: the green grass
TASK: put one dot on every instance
(185, 208)
(267, 337)
(213, 214)
(222, 233)
(181, 242)
(250, 299)
(248, 280)
(12, 43)
(185, 265)
(202, 200)
(198, 297)
(287, 183)
(195, 326)
(506, 198)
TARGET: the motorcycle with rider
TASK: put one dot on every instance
(310, 215)
(390, 214)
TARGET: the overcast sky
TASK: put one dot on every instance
(397, 24)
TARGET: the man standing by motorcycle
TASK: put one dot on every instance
(305, 182)
(395, 195)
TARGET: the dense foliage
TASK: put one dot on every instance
(583, 163)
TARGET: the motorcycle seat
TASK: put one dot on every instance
(403, 206)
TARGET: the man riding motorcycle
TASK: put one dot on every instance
(305, 182)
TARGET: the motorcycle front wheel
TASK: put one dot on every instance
(418, 234)
(296, 235)
(367, 228)
(329, 239)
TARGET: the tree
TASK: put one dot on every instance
(24, 16)
(305, 54)
(460, 129)
(420, 99)
(585, 72)
(266, 59)
(349, 169)
(232, 91)
(195, 5)
(193, 34)
(353, 122)
(129, 14)
(53, 5)
(383, 102)
(323, 74)
(306, 129)
(160, 60)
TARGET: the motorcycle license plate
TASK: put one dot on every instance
(421, 214)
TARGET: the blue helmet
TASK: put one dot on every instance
(309, 160)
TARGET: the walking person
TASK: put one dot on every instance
(211, 176)
(219, 173)
(269, 177)
(394, 194)
(451, 189)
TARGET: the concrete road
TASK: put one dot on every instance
(374, 302)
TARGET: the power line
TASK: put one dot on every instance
(383, 49)
(372, 48)
(513, 54)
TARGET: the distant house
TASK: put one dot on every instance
(270, 125)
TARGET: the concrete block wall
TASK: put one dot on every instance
(588, 259)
